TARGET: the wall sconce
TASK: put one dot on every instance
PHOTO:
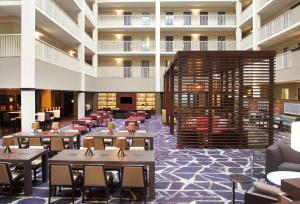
(118, 36)
(119, 12)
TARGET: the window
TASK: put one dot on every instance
(145, 18)
(145, 69)
(285, 93)
(169, 18)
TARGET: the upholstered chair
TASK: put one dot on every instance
(61, 175)
(9, 177)
(99, 143)
(138, 144)
(56, 144)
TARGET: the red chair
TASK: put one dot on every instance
(79, 125)
(105, 118)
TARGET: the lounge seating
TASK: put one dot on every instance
(79, 125)
(262, 193)
(281, 157)
(8, 177)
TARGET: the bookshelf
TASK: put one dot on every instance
(107, 100)
(145, 101)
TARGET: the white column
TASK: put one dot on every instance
(28, 64)
(256, 25)
(238, 31)
(81, 104)
(157, 47)
(81, 57)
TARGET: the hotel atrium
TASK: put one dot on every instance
(158, 101)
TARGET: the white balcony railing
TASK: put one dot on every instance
(79, 2)
(126, 20)
(52, 55)
(89, 42)
(50, 8)
(281, 23)
(261, 3)
(174, 46)
(89, 13)
(90, 70)
(247, 13)
(198, 20)
(126, 46)
(284, 60)
(10, 45)
(126, 72)
(247, 42)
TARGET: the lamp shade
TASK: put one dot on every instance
(121, 142)
(111, 125)
(88, 142)
(131, 127)
(295, 136)
(7, 141)
(35, 125)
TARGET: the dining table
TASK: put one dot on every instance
(110, 158)
(25, 157)
(137, 135)
(65, 135)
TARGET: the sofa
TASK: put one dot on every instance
(281, 157)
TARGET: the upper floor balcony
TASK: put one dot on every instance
(247, 42)
(171, 47)
(278, 30)
(56, 17)
(90, 14)
(261, 4)
(246, 15)
(10, 45)
(288, 66)
(90, 43)
(198, 21)
(126, 47)
(126, 21)
(126, 72)
(90, 70)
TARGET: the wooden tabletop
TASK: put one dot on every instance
(141, 135)
(19, 155)
(103, 156)
(46, 134)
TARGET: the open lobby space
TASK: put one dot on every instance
(150, 101)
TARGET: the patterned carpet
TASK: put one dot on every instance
(182, 175)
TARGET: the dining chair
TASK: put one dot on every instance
(35, 141)
(138, 144)
(134, 177)
(95, 176)
(8, 177)
(56, 144)
(61, 175)
(99, 143)
(41, 119)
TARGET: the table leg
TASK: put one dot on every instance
(78, 141)
(152, 181)
(27, 178)
(151, 144)
(71, 143)
(233, 192)
(45, 167)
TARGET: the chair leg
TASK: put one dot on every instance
(83, 194)
(107, 195)
(50, 192)
(34, 175)
(11, 190)
(73, 194)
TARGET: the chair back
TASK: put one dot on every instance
(34, 141)
(56, 114)
(133, 176)
(94, 175)
(17, 141)
(57, 144)
(138, 143)
(47, 116)
(79, 122)
(5, 174)
(61, 174)
(99, 143)
(55, 126)
(41, 116)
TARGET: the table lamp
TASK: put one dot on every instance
(7, 141)
(111, 126)
(295, 136)
(88, 143)
(131, 128)
(35, 126)
(121, 143)
(55, 126)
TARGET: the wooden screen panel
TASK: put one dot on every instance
(222, 99)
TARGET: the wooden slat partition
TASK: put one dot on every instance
(221, 99)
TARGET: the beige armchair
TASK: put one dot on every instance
(95, 176)
(61, 175)
(8, 177)
(134, 177)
